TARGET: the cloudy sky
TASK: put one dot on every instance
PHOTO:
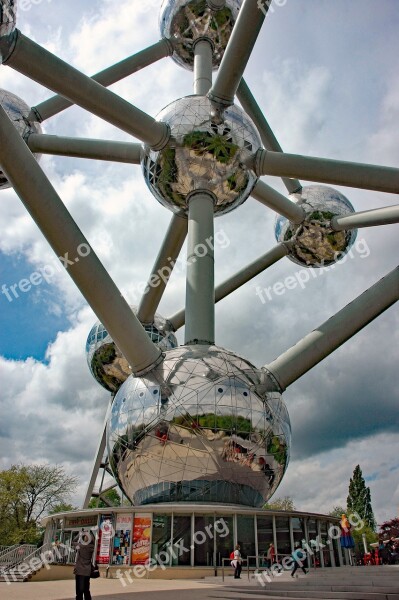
(326, 75)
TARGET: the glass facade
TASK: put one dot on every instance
(283, 537)
(197, 537)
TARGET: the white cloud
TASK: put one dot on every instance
(317, 104)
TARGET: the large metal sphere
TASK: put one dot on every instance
(106, 362)
(206, 152)
(186, 21)
(314, 242)
(18, 111)
(201, 427)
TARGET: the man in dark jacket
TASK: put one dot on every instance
(84, 558)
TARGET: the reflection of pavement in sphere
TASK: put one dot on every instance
(203, 154)
(314, 243)
(106, 362)
(201, 426)
(186, 21)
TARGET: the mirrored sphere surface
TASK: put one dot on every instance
(106, 362)
(206, 152)
(18, 111)
(201, 427)
(8, 17)
(314, 242)
(185, 21)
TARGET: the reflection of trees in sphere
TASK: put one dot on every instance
(106, 362)
(203, 154)
(314, 242)
(201, 427)
(186, 21)
(18, 112)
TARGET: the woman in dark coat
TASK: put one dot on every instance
(82, 571)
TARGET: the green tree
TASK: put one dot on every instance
(110, 498)
(357, 535)
(359, 498)
(28, 493)
(286, 503)
(62, 507)
(338, 511)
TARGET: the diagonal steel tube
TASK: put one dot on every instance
(98, 459)
(367, 218)
(239, 48)
(40, 65)
(109, 150)
(68, 242)
(321, 342)
(280, 204)
(324, 170)
(108, 76)
(238, 279)
(267, 136)
(162, 269)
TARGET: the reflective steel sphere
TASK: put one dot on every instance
(106, 362)
(314, 242)
(205, 152)
(201, 427)
(185, 21)
(18, 112)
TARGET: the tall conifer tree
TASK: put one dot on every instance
(359, 498)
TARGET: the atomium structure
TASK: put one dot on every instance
(197, 422)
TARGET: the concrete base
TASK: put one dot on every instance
(65, 572)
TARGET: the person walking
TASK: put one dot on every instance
(83, 565)
(237, 561)
(271, 555)
(299, 558)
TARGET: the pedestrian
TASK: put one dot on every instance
(237, 562)
(271, 555)
(299, 558)
(83, 565)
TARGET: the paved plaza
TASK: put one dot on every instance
(358, 583)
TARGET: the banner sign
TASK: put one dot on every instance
(141, 549)
(122, 539)
(105, 535)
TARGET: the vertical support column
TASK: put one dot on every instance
(321, 551)
(291, 534)
(192, 545)
(171, 539)
(200, 283)
(275, 537)
(202, 67)
(235, 530)
(256, 541)
(331, 545)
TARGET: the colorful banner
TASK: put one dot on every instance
(122, 539)
(105, 535)
(141, 549)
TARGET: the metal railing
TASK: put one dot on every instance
(6, 549)
(224, 560)
(16, 555)
(33, 558)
